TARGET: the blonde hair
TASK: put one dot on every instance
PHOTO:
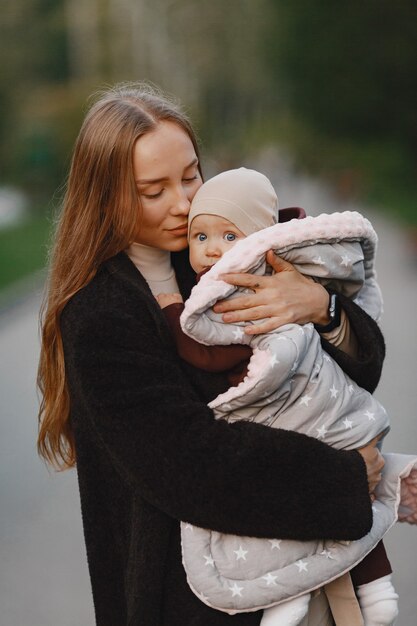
(99, 219)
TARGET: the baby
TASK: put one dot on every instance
(226, 209)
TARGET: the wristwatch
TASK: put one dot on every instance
(333, 312)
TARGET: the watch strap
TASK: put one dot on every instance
(333, 312)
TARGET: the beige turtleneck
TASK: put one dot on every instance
(155, 266)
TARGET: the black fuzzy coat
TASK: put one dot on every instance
(149, 454)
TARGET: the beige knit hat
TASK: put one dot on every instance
(244, 197)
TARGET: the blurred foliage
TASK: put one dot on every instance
(23, 249)
(350, 78)
(350, 70)
(337, 84)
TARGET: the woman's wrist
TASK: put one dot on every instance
(334, 314)
(321, 315)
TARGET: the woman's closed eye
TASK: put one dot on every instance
(153, 196)
(190, 179)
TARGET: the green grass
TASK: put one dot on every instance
(23, 249)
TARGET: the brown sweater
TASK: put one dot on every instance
(232, 360)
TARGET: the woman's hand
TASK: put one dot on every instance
(283, 298)
(165, 299)
(374, 463)
(408, 508)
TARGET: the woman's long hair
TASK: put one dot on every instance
(99, 218)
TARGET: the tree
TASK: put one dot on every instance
(350, 69)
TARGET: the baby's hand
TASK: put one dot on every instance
(165, 299)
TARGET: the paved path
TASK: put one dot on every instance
(43, 574)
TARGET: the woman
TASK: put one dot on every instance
(118, 401)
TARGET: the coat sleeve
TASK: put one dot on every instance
(244, 478)
(208, 358)
(366, 369)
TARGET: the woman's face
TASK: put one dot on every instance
(167, 177)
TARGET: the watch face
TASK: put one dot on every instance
(332, 306)
(334, 315)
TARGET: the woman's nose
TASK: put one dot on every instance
(182, 203)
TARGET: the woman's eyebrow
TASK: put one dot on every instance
(150, 181)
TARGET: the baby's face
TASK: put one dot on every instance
(210, 237)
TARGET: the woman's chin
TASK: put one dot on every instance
(177, 244)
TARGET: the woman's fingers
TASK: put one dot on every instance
(250, 281)
(289, 296)
(269, 324)
(277, 263)
(374, 463)
(236, 305)
(249, 314)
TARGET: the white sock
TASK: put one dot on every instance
(288, 613)
(378, 601)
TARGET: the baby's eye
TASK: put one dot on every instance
(230, 236)
(201, 237)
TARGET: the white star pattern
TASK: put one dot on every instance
(370, 416)
(327, 554)
(302, 565)
(240, 554)
(273, 361)
(305, 399)
(333, 391)
(346, 261)
(375, 510)
(294, 367)
(321, 432)
(326, 358)
(209, 560)
(236, 590)
(348, 423)
(301, 330)
(318, 260)
(189, 527)
(270, 579)
(202, 597)
(238, 333)
(350, 388)
(275, 543)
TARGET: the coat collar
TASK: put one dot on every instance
(121, 265)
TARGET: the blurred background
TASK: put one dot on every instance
(322, 97)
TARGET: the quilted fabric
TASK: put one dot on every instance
(292, 384)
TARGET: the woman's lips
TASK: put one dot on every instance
(180, 230)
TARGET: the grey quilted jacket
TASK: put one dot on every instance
(292, 384)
